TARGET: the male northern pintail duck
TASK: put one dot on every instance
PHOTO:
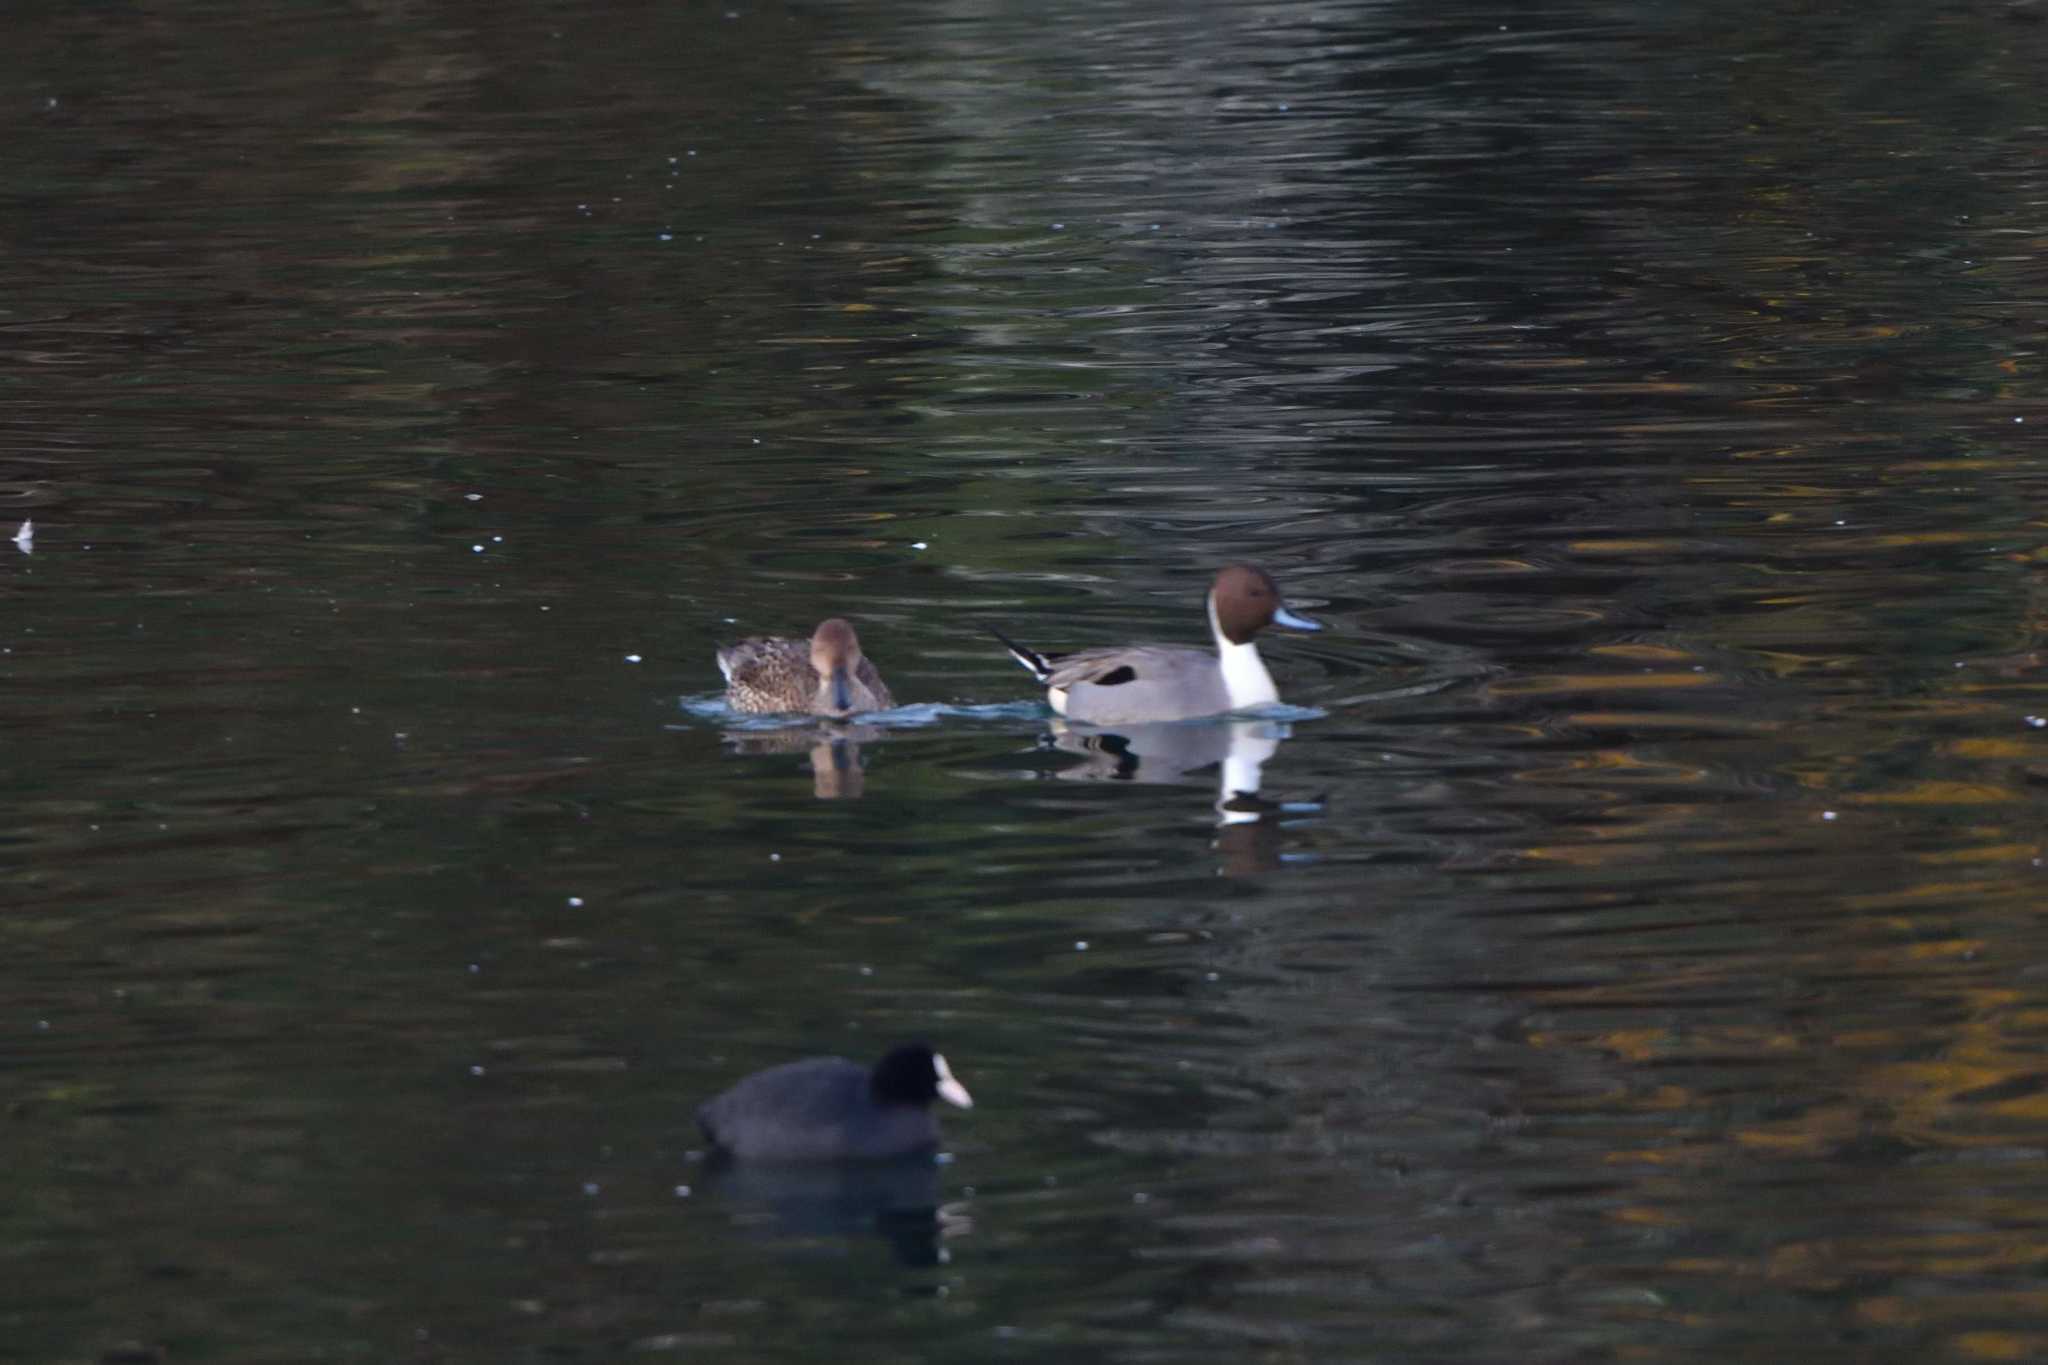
(1129, 684)
(830, 1109)
(826, 675)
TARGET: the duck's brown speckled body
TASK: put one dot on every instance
(826, 675)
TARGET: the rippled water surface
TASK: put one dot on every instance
(1628, 946)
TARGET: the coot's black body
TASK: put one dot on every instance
(830, 1109)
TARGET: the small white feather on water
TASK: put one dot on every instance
(25, 538)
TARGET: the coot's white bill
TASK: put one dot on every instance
(950, 1090)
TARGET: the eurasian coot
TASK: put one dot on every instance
(830, 1109)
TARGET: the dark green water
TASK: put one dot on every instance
(1635, 953)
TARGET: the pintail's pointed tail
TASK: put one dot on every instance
(1038, 664)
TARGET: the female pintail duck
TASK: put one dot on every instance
(826, 675)
(1129, 684)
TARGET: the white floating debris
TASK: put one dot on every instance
(25, 538)
(632, 658)
(1829, 815)
(775, 857)
(476, 1071)
(1080, 945)
(592, 1187)
(920, 545)
(476, 549)
(472, 497)
(575, 902)
(682, 1191)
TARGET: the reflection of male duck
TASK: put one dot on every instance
(834, 750)
(1172, 752)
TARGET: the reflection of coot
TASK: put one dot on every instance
(897, 1201)
(829, 1109)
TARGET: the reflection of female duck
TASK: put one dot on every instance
(834, 750)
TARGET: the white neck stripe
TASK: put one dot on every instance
(1245, 677)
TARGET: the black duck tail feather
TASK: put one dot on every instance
(1038, 664)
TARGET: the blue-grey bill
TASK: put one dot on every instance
(1284, 617)
(842, 691)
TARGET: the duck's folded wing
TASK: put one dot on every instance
(750, 658)
(1112, 667)
(870, 677)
